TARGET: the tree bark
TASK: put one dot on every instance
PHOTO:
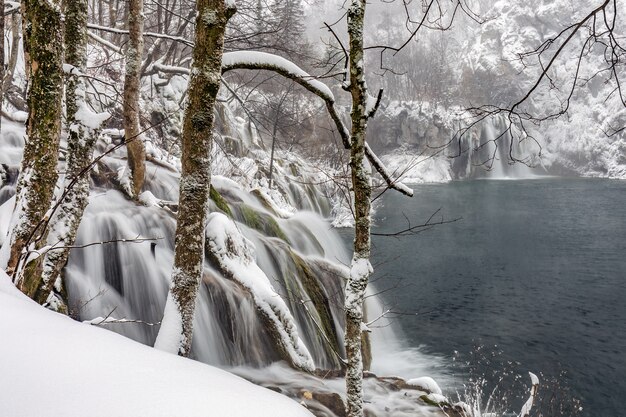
(80, 143)
(2, 65)
(361, 267)
(134, 145)
(197, 139)
(38, 176)
(13, 54)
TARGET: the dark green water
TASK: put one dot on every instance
(534, 274)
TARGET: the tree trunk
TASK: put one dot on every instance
(361, 267)
(38, 174)
(80, 143)
(2, 74)
(13, 54)
(197, 139)
(135, 147)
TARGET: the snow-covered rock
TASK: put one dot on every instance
(426, 384)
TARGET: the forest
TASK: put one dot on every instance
(392, 208)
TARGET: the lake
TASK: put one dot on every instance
(531, 278)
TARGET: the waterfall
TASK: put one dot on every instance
(130, 280)
(302, 256)
(486, 151)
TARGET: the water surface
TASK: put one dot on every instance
(535, 271)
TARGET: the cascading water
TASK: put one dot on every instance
(301, 255)
(486, 151)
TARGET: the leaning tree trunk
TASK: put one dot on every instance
(80, 143)
(38, 174)
(197, 139)
(134, 145)
(361, 267)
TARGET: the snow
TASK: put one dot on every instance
(342, 216)
(170, 336)
(90, 119)
(5, 218)
(237, 255)
(148, 199)
(412, 168)
(361, 268)
(71, 69)
(425, 383)
(528, 405)
(232, 59)
(52, 365)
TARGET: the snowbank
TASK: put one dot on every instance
(52, 366)
(412, 168)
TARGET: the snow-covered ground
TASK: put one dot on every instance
(51, 365)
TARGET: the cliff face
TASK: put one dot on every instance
(423, 140)
(410, 125)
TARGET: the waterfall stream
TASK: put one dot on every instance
(489, 150)
(303, 257)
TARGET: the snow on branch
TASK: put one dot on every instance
(148, 34)
(265, 61)
(382, 170)
(106, 43)
(286, 68)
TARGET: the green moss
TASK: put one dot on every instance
(294, 170)
(220, 202)
(262, 222)
(266, 204)
(320, 301)
(428, 401)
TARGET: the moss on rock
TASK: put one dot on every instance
(220, 202)
(261, 222)
(320, 301)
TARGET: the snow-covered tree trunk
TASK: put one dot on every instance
(82, 127)
(38, 176)
(135, 147)
(361, 267)
(197, 140)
